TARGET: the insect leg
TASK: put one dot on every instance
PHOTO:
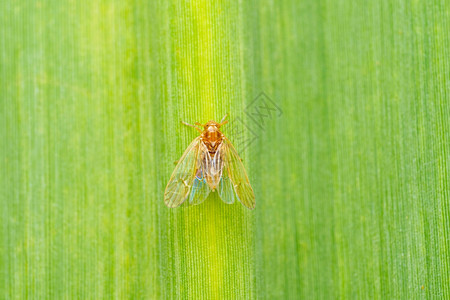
(223, 119)
(187, 124)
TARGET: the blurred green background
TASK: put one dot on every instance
(351, 181)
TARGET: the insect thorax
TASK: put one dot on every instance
(212, 140)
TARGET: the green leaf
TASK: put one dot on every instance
(340, 111)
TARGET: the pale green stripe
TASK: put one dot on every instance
(351, 182)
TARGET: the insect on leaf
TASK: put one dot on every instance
(210, 163)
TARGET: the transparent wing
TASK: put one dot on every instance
(212, 166)
(225, 189)
(183, 176)
(238, 176)
(200, 189)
